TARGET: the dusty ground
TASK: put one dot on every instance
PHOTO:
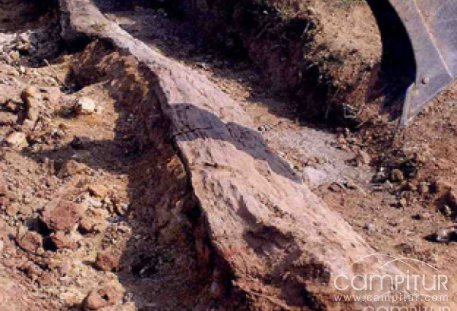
(76, 227)
(397, 217)
(395, 191)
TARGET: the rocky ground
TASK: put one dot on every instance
(74, 230)
(91, 216)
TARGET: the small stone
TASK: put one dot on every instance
(17, 140)
(4, 203)
(121, 208)
(64, 216)
(30, 92)
(31, 97)
(30, 241)
(381, 175)
(85, 106)
(2, 245)
(14, 57)
(57, 134)
(363, 158)
(444, 235)
(402, 202)
(396, 175)
(371, 228)
(72, 168)
(72, 298)
(93, 202)
(264, 128)
(100, 298)
(107, 261)
(320, 160)
(88, 225)
(62, 240)
(98, 190)
(7, 118)
(313, 176)
(406, 248)
(80, 143)
(12, 106)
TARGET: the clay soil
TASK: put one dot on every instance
(77, 193)
(125, 246)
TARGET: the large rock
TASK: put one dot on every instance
(85, 106)
(31, 97)
(62, 215)
(107, 260)
(17, 140)
(30, 241)
(101, 298)
(61, 240)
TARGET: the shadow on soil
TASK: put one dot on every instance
(241, 137)
(159, 266)
(172, 37)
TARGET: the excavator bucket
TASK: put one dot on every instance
(432, 29)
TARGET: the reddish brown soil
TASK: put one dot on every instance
(103, 163)
(320, 54)
(397, 218)
(79, 211)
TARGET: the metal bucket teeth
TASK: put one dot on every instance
(432, 29)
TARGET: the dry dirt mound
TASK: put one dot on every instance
(323, 53)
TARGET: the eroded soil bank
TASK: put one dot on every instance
(323, 54)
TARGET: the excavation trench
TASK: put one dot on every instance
(341, 62)
(282, 247)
